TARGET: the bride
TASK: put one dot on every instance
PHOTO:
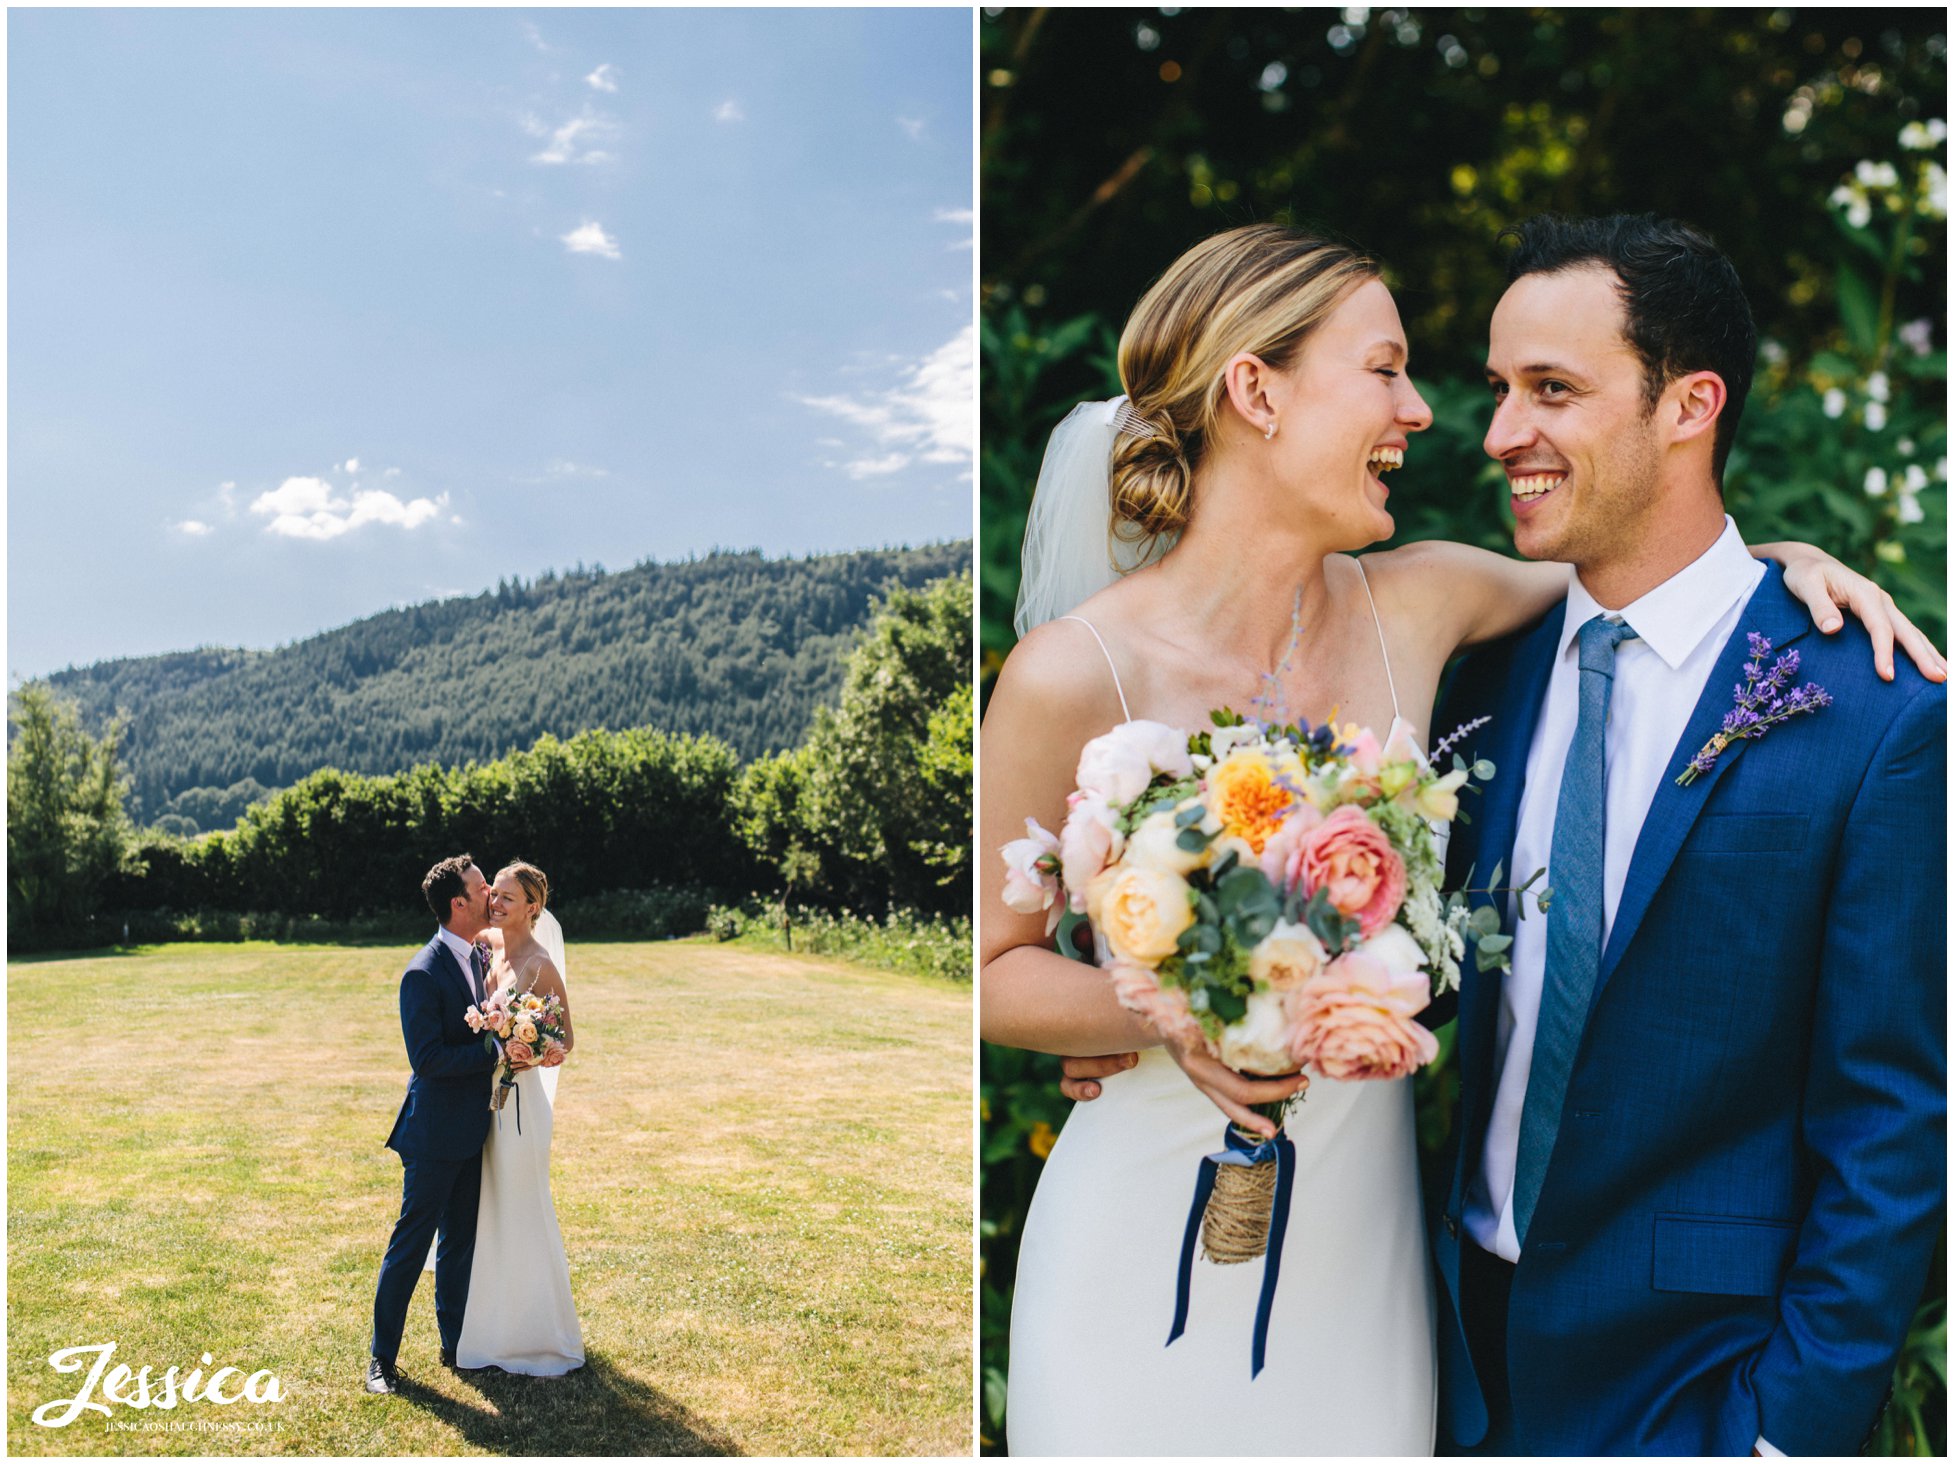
(520, 1316)
(1266, 393)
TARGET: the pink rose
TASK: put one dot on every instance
(553, 1052)
(1282, 855)
(474, 1019)
(1031, 873)
(1166, 1009)
(1352, 859)
(519, 1052)
(1086, 845)
(1119, 766)
(1358, 1020)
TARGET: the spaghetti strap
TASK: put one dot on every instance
(1382, 648)
(1124, 713)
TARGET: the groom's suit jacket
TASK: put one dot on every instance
(446, 1113)
(1749, 1175)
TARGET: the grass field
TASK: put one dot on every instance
(761, 1169)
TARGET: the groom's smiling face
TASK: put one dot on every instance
(1571, 424)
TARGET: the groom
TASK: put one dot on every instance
(444, 1122)
(1701, 1133)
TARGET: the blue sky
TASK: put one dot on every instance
(317, 312)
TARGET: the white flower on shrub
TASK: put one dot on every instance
(1875, 482)
(1876, 415)
(1923, 136)
(1877, 175)
(1910, 511)
(1933, 191)
(1878, 387)
(1834, 402)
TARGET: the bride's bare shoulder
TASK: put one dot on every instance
(1064, 670)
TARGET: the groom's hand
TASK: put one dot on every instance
(1079, 1083)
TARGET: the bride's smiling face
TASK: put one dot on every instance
(509, 903)
(1344, 413)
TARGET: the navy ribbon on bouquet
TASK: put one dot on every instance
(1247, 1153)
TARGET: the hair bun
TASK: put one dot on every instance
(1152, 483)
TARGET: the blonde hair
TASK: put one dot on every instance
(1262, 288)
(534, 882)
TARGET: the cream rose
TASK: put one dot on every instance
(1155, 843)
(1143, 914)
(1028, 887)
(1287, 957)
(1258, 1041)
(1119, 766)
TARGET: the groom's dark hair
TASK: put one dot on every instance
(446, 883)
(1685, 305)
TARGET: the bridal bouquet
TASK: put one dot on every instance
(531, 1030)
(1269, 894)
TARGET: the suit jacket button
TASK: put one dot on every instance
(1452, 1227)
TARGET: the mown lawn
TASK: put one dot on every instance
(761, 1168)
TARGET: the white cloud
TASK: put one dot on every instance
(391, 473)
(929, 416)
(352, 465)
(913, 126)
(589, 238)
(193, 528)
(564, 468)
(728, 111)
(534, 37)
(575, 141)
(309, 508)
(958, 216)
(604, 78)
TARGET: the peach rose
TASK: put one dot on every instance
(554, 1052)
(1139, 990)
(526, 1031)
(1358, 1019)
(1352, 859)
(1143, 914)
(1119, 766)
(519, 1052)
(1086, 845)
(1282, 855)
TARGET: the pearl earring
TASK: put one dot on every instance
(1269, 432)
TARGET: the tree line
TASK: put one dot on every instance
(871, 810)
(734, 645)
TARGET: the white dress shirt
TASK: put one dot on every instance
(464, 954)
(1681, 627)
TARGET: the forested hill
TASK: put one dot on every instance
(733, 644)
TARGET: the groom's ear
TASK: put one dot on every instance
(1692, 404)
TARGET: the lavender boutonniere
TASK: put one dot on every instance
(1765, 699)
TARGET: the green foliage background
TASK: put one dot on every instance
(641, 829)
(735, 645)
(1113, 139)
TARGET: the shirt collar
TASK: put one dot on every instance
(463, 951)
(1673, 618)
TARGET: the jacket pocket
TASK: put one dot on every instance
(1747, 833)
(1724, 1256)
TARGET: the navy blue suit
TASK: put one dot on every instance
(439, 1136)
(1749, 1175)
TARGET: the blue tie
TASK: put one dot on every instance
(1574, 918)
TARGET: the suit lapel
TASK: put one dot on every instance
(453, 967)
(1774, 613)
(1508, 737)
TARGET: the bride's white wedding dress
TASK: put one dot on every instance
(520, 1315)
(1351, 1365)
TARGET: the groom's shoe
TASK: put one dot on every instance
(447, 1357)
(381, 1376)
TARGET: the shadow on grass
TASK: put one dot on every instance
(596, 1410)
